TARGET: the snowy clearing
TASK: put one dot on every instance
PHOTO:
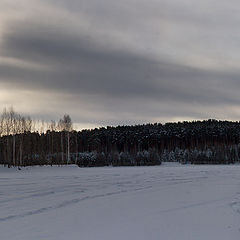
(165, 202)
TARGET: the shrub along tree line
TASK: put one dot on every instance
(24, 142)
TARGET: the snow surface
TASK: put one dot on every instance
(165, 202)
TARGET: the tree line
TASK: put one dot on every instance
(24, 142)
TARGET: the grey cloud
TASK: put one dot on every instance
(81, 66)
(109, 81)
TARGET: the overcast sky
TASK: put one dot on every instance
(121, 62)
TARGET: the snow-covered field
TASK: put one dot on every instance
(168, 202)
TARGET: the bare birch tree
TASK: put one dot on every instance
(65, 125)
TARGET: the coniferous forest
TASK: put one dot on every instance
(26, 142)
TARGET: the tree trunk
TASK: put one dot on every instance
(14, 150)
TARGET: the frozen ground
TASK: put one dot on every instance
(168, 202)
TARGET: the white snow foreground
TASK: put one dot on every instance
(168, 202)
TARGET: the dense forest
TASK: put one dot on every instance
(25, 142)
